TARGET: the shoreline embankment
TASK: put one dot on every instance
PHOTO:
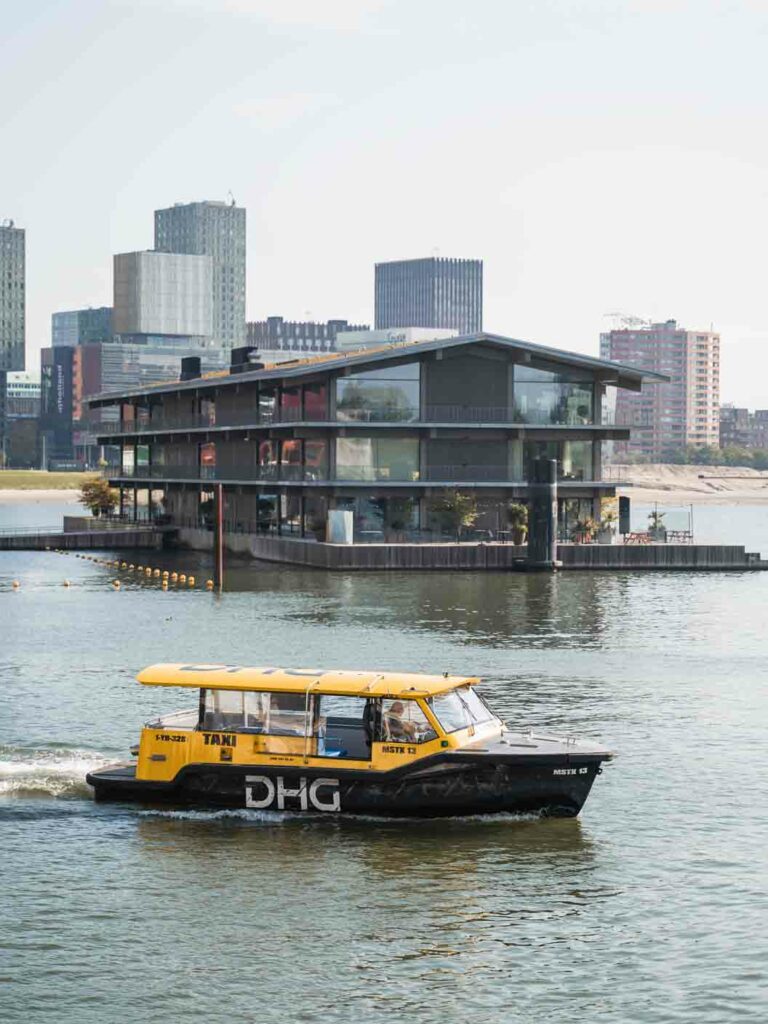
(667, 484)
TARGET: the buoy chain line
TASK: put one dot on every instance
(164, 575)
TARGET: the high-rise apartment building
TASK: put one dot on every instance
(668, 417)
(431, 292)
(216, 230)
(12, 312)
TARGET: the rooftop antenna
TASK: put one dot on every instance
(231, 198)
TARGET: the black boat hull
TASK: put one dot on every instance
(446, 787)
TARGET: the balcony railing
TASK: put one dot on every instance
(392, 415)
(290, 473)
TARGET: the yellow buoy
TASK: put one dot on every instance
(148, 571)
(67, 583)
(15, 584)
(209, 584)
(182, 578)
(166, 574)
(164, 585)
(131, 567)
(116, 584)
(191, 581)
(123, 565)
(156, 572)
(174, 576)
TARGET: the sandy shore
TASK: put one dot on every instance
(684, 485)
(691, 485)
(31, 496)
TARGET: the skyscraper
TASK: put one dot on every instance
(12, 309)
(431, 292)
(216, 230)
(668, 417)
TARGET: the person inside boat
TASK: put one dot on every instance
(397, 726)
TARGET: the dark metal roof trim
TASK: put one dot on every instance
(360, 357)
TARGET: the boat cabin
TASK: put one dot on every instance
(365, 720)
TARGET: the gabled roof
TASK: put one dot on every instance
(613, 373)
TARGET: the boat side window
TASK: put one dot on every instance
(222, 710)
(460, 709)
(287, 714)
(403, 721)
(344, 726)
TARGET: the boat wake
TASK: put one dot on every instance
(47, 771)
(223, 814)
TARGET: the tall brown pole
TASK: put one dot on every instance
(218, 540)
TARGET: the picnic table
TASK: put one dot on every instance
(679, 537)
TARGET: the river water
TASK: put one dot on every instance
(650, 907)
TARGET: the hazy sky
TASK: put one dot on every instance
(599, 155)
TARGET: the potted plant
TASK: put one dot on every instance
(584, 530)
(456, 512)
(607, 527)
(517, 517)
(656, 528)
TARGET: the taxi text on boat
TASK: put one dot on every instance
(383, 743)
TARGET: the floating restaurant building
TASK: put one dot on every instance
(381, 432)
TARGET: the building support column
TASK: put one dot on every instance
(542, 517)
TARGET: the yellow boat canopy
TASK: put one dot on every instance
(298, 680)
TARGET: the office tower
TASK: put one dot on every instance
(277, 334)
(81, 326)
(12, 309)
(162, 295)
(216, 230)
(432, 292)
(668, 417)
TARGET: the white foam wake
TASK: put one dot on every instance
(47, 771)
(238, 814)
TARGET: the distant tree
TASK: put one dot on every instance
(456, 512)
(760, 458)
(97, 496)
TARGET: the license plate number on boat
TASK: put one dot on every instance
(570, 771)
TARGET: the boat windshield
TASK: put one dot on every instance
(460, 709)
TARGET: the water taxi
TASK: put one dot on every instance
(381, 743)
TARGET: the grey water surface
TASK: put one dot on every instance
(651, 907)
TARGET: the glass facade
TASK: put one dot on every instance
(290, 404)
(391, 395)
(381, 519)
(574, 458)
(291, 457)
(316, 460)
(268, 451)
(267, 403)
(549, 394)
(373, 458)
(315, 402)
